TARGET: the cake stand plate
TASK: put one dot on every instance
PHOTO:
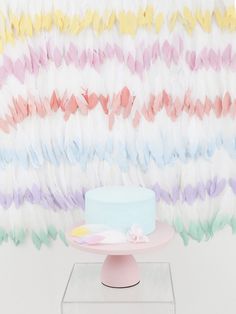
(120, 269)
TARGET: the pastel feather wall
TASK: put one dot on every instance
(116, 92)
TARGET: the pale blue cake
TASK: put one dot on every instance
(120, 207)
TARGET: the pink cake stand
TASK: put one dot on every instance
(120, 269)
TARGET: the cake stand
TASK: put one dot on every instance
(120, 269)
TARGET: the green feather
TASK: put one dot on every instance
(179, 226)
(10, 235)
(219, 223)
(22, 235)
(62, 237)
(6, 237)
(2, 235)
(19, 236)
(195, 231)
(52, 232)
(184, 237)
(36, 240)
(233, 224)
(44, 237)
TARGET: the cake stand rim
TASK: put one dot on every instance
(162, 235)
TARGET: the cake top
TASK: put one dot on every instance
(120, 194)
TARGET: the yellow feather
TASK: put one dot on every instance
(128, 22)
(37, 23)
(121, 20)
(204, 19)
(59, 19)
(173, 20)
(189, 19)
(87, 19)
(149, 15)
(1, 46)
(141, 17)
(111, 20)
(207, 21)
(2, 27)
(14, 21)
(219, 18)
(199, 17)
(47, 22)
(9, 37)
(66, 23)
(26, 27)
(159, 19)
(75, 25)
(131, 23)
(231, 17)
(96, 22)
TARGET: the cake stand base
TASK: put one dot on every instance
(120, 271)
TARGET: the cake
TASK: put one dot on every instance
(121, 207)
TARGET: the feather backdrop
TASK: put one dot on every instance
(116, 92)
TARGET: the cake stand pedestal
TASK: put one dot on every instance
(120, 269)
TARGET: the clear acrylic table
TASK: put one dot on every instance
(85, 294)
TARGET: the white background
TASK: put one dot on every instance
(204, 275)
